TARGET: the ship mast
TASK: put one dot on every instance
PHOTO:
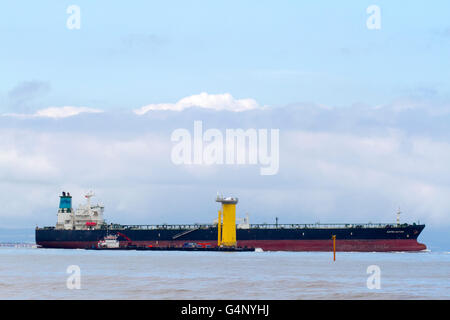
(88, 196)
(398, 216)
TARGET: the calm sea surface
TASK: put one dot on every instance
(27, 273)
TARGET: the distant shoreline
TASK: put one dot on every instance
(17, 244)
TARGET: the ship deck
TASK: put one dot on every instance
(254, 226)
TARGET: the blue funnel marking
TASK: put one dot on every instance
(65, 202)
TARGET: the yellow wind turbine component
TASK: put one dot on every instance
(228, 213)
(219, 229)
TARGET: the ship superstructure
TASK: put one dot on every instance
(85, 217)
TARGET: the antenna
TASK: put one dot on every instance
(88, 196)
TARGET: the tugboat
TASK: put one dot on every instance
(109, 242)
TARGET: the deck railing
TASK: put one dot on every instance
(259, 226)
(252, 226)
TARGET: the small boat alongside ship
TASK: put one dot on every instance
(85, 228)
(109, 242)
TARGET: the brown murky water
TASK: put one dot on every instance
(42, 274)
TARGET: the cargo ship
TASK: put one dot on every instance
(85, 227)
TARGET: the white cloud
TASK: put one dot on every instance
(203, 100)
(336, 164)
(55, 112)
(370, 173)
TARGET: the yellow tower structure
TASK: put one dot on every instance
(226, 224)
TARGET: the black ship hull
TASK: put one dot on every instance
(266, 237)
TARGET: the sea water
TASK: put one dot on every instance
(28, 273)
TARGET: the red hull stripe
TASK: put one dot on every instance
(273, 245)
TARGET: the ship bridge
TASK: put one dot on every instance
(86, 217)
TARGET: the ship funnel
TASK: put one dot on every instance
(65, 201)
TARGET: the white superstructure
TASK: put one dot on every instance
(85, 217)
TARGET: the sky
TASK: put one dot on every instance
(363, 114)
